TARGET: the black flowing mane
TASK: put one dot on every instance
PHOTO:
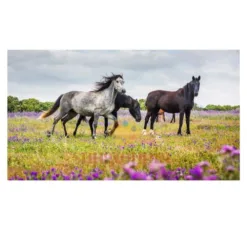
(188, 92)
(102, 85)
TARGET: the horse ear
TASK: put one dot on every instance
(199, 78)
(193, 78)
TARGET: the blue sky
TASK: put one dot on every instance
(47, 74)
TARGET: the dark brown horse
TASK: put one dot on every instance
(181, 101)
(161, 112)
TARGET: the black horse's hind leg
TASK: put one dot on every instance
(181, 118)
(106, 126)
(187, 114)
(78, 123)
(91, 125)
(114, 126)
(146, 122)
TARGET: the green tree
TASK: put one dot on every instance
(44, 106)
(142, 104)
(30, 105)
(13, 104)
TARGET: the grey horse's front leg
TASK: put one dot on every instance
(114, 118)
(95, 124)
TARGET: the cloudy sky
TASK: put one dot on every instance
(45, 75)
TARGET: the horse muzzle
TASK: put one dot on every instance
(138, 119)
(196, 94)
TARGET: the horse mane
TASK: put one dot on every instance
(187, 91)
(107, 80)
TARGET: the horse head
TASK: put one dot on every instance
(135, 110)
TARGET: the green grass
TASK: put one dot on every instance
(208, 135)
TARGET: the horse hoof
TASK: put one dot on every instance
(66, 136)
(151, 132)
(74, 134)
(48, 134)
(94, 137)
(179, 134)
(144, 132)
(106, 133)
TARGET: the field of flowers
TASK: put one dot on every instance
(211, 152)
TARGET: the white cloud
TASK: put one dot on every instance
(46, 74)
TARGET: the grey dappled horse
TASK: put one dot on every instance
(99, 102)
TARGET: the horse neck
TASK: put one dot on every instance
(123, 101)
(189, 96)
(110, 93)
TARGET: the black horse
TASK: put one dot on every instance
(122, 101)
(181, 101)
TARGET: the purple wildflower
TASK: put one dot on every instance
(227, 149)
(203, 164)
(129, 165)
(197, 172)
(211, 177)
(230, 168)
(155, 166)
(89, 178)
(66, 178)
(114, 174)
(138, 176)
(95, 175)
(188, 177)
(235, 152)
(34, 174)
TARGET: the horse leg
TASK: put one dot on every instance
(151, 132)
(71, 114)
(59, 116)
(78, 123)
(146, 122)
(106, 126)
(113, 116)
(91, 125)
(181, 118)
(173, 118)
(164, 117)
(187, 114)
(95, 124)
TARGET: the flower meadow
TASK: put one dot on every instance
(211, 152)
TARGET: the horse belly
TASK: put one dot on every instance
(171, 108)
(108, 110)
(83, 106)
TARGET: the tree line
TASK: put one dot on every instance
(34, 105)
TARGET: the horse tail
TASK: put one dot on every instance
(53, 109)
